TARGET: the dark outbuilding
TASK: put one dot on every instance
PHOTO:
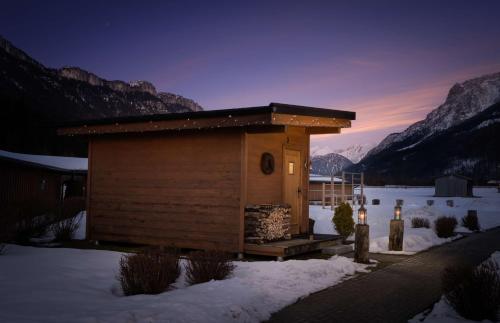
(453, 186)
(40, 184)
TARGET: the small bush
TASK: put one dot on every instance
(31, 227)
(445, 226)
(342, 220)
(471, 221)
(150, 272)
(474, 292)
(2, 248)
(204, 266)
(420, 223)
(64, 230)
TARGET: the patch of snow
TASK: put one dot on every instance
(486, 202)
(486, 123)
(411, 146)
(461, 166)
(63, 163)
(71, 285)
(321, 178)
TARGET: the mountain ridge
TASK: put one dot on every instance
(33, 98)
(463, 101)
(459, 136)
(329, 164)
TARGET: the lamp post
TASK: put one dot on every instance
(362, 237)
(396, 230)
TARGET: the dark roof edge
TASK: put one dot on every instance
(273, 107)
(42, 166)
(455, 175)
(314, 111)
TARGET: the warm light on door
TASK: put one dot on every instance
(291, 168)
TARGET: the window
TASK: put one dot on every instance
(291, 168)
(43, 185)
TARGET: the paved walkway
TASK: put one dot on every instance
(395, 293)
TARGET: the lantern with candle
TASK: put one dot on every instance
(362, 215)
(397, 212)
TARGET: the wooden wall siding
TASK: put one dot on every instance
(262, 188)
(167, 190)
(268, 189)
(20, 186)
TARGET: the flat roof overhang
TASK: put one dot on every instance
(316, 120)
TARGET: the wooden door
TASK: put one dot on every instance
(292, 172)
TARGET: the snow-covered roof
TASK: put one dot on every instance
(323, 179)
(52, 162)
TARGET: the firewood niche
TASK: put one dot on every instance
(267, 222)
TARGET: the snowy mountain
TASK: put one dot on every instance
(354, 153)
(329, 164)
(460, 136)
(464, 100)
(33, 98)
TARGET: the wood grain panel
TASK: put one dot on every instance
(164, 189)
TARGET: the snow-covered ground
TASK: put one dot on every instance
(487, 204)
(443, 312)
(71, 285)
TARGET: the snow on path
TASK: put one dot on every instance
(70, 285)
(487, 203)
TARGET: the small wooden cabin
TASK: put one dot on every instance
(453, 185)
(40, 184)
(185, 179)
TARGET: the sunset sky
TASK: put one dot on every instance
(390, 61)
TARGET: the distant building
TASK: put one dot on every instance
(453, 185)
(317, 182)
(38, 184)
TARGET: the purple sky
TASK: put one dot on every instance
(390, 61)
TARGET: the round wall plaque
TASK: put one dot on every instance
(267, 163)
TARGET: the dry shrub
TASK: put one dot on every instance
(474, 292)
(445, 226)
(64, 230)
(204, 266)
(420, 223)
(149, 272)
(471, 222)
(29, 227)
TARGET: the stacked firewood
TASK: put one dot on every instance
(267, 222)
